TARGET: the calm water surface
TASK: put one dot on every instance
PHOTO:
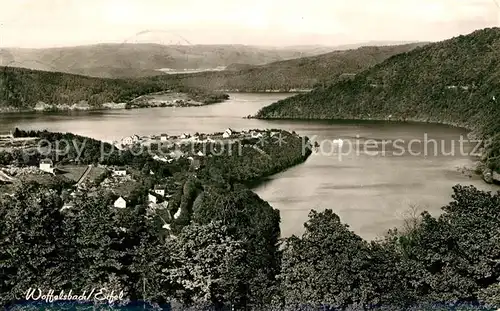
(371, 192)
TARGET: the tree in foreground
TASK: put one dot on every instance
(328, 265)
(208, 266)
(453, 259)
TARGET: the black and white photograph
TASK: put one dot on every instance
(229, 155)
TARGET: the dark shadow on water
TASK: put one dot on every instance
(377, 123)
(254, 184)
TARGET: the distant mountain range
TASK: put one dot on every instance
(22, 88)
(136, 60)
(144, 59)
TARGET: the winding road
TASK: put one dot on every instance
(6, 178)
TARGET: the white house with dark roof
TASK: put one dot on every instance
(127, 141)
(120, 203)
(47, 165)
(134, 139)
(160, 190)
(119, 171)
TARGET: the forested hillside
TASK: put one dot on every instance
(454, 81)
(302, 73)
(22, 89)
(228, 256)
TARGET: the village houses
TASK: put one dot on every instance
(158, 158)
(47, 165)
(255, 134)
(120, 171)
(227, 133)
(120, 203)
(131, 140)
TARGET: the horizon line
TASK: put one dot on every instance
(361, 43)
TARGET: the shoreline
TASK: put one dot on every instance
(118, 106)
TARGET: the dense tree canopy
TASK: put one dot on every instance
(228, 254)
(209, 265)
(453, 82)
(452, 260)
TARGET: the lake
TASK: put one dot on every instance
(369, 189)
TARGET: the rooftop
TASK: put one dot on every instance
(46, 161)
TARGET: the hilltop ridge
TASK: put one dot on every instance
(131, 60)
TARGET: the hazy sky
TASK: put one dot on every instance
(44, 23)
